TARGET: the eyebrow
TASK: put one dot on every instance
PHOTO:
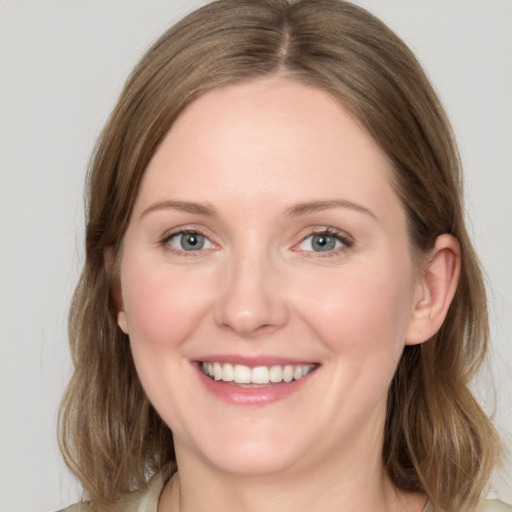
(292, 211)
(182, 206)
(318, 206)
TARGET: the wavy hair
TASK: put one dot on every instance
(437, 439)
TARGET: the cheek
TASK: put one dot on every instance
(362, 312)
(361, 318)
(162, 305)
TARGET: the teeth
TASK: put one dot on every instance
(275, 374)
(288, 373)
(228, 374)
(241, 374)
(217, 371)
(260, 375)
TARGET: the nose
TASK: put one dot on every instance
(252, 299)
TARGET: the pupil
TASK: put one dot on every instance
(324, 243)
(192, 242)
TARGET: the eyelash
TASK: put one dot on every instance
(346, 241)
(165, 242)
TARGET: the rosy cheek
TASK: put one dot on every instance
(353, 310)
(162, 305)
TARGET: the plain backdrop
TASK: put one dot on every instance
(62, 65)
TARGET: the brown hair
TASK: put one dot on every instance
(437, 439)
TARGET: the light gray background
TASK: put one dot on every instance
(62, 64)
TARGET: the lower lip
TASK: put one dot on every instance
(258, 395)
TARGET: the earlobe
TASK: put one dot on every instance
(118, 300)
(109, 259)
(121, 321)
(435, 290)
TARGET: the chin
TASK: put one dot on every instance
(261, 456)
(250, 464)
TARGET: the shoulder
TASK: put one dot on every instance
(493, 506)
(146, 500)
(483, 506)
(130, 503)
(77, 507)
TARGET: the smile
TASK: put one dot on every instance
(260, 375)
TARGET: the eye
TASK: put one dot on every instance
(326, 241)
(188, 241)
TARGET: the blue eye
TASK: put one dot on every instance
(324, 242)
(189, 241)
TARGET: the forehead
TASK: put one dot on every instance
(268, 140)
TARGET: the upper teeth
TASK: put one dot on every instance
(241, 374)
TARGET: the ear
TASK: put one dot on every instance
(110, 263)
(435, 290)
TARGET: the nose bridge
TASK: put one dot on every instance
(251, 301)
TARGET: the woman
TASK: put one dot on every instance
(280, 306)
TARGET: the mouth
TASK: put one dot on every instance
(247, 376)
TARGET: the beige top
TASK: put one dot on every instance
(148, 501)
(484, 506)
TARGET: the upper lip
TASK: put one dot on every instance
(253, 361)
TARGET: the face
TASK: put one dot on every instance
(266, 280)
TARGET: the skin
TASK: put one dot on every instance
(249, 155)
